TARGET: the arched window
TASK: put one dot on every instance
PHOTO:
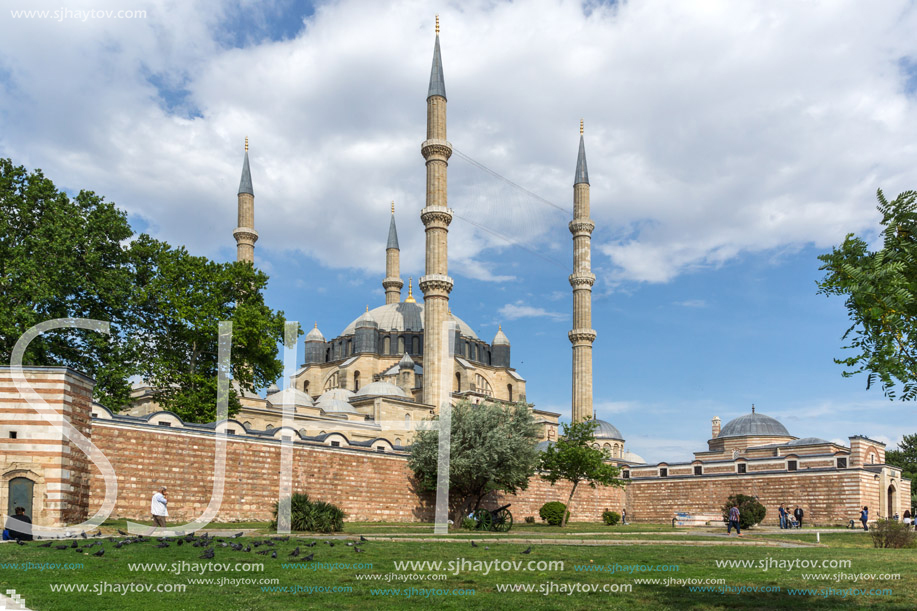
(387, 345)
(482, 386)
(458, 382)
(400, 344)
(356, 381)
(407, 421)
(349, 347)
(509, 391)
(305, 387)
(333, 381)
(415, 345)
(488, 357)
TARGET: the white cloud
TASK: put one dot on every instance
(513, 311)
(691, 303)
(710, 131)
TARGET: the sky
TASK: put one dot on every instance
(728, 144)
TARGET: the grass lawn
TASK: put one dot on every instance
(384, 586)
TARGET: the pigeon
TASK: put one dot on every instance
(273, 554)
(331, 543)
(162, 545)
(224, 544)
(20, 542)
(350, 544)
(473, 544)
(287, 538)
(528, 551)
(48, 544)
(485, 547)
(100, 553)
(362, 538)
(98, 534)
(74, 546)
(357, 549)
(122, 533)
(119, 545)
(83, 534)
(208, 554)
(258, 543)
(294, 553)
(180, 541)
(308, 558)
(61, 547)
(271, 543)
(237, 535)
(236, 546)
(263, 552)
(248, 548)
(310, 544)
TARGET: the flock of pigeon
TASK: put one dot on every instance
(205, 541)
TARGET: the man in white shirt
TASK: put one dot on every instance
(158, 508)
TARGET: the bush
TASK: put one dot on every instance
(892, 534)
(751, 512)
(553, 513)
(469, 524)
(312, 516)
(611, 517)
(529, 519)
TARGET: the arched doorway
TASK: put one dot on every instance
(892, 505)
(20, 489)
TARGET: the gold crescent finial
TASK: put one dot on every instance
(580, 127)
(316, 325)
(410, 298)
(367, 309)
(499, 327)
(246, 144)
(437, 24)
(393, 206)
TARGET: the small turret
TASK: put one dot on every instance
(315, 346)
(366, 333)
(500, 350)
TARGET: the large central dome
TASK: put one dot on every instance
(754, 424)
(404, 316)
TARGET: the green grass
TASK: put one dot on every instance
(693, 562)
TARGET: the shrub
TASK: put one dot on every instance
(751, 512)
(469, 524)
(312, 516)
(529, 519)
(893, 534)
(611, 517)
(553, 513)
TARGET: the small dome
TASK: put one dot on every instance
(606, 430)
(336, 405)
(544, 445)
(272, 389)
(406, 362)
(404, 316)
(500, 338)
(384, 389)
(754, 424)
(315, 335)
(335, 393)
(366, 320)
(807, 441)
(630, 457)
(290, 396)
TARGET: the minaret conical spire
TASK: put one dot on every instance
(582, 173)
(245, 233)
(437, 83)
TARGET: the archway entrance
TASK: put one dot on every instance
(20, 495)
(892, 506)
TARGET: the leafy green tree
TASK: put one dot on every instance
(751, 511)
(574, 459)
(880, 289)
(61, 257)
(906, 458)
(492, 449)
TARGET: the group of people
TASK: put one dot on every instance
(790, 519)
(18, 526)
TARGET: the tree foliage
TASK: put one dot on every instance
(63, 257)
(492, 448)
(880, 289)
(574, 459)
(751, 511)
(905, 457)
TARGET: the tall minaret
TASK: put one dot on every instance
(436, 216)
(392, 282)
(582, 335)
(245, 233)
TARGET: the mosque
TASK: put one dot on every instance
(357, 397)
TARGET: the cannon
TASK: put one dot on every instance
(496, 520)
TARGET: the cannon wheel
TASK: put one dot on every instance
(503, 521)
(484, 519)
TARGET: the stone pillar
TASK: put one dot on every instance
(582, 335)
(436, 216)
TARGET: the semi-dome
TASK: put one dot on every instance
(404, 316)
(341, 394)
(336, 405)
(290, 396)
(384, 389)
(606, 430)
(754, 424)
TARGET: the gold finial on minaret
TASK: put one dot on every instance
(246, 144)
(393, 206)
(580, 127)
(437, 24)
(410, 298)
(316, 325)
(499, 327)
(367, 308)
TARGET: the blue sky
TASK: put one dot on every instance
(728, 146)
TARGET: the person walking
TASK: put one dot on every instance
(623, 516)
(158, 508)
(864, 517)
(734, 517)
(782, 512)
(798, 515)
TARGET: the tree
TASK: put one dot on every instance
(574, 459)
(79, 258)
(492, 449)
(880, 289)
(751, 511)
(905, 457)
